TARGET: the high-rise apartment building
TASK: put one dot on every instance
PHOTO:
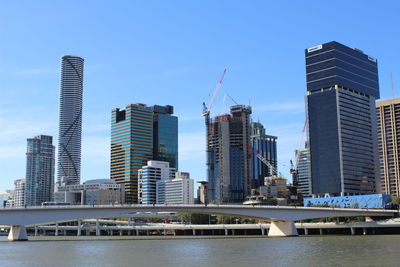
(40, 160)
(19, 192)
(165, 135)
(388, 117)
(131, 146)
(70, 127)
(149, 175)
(265, 145)
(342, 85)
(229, 169)
(140, 133)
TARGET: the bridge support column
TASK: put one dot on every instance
(56, 230)
(226, 231)
(353, 231)
(305, 231)
(194, 231)
(321, 232)
(97, 227)
(17, 233)
(36, 230)
(282, 228)
(79, 230)
(262, 231)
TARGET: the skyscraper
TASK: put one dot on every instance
(342, 85)
(265, 145)
(70, 127)
(140, 133)
(229, 156)
(131, 146)
(19, 193)
(388, 117)
(303, 171)
(40, 158)
(165, 135)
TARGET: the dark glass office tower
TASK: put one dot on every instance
(265, 145)
(165, 135)
(342, 85)
(140, 133)
(70, 127)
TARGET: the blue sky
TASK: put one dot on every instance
(173, 52)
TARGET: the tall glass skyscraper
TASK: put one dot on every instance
(165, 136)
(40, 160)
(342, 85)
(265, 145)
(131, 146)
(70, 127)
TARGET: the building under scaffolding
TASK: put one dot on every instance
(229, 169)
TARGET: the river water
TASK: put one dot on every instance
(378, 250)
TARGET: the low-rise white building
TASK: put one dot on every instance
(91, 192)
(149, 175)
(179, 190)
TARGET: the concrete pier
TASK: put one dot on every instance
(282, 228)
(17, 233)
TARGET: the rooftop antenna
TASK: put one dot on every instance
(391, 85)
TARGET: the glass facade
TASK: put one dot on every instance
(131, 146)
(165, 135)
(333, 63)
(265, 145)
(40, 161)
(303, 169)
(341, 118)
(140, 133)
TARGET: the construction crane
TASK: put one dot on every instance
(227, 95)
(206, 114)
(272, 168)
(207, 110)
(293, 167)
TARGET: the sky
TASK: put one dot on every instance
(173, 53)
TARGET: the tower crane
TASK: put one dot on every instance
(266, 162)
(207, 110)
(206, 114)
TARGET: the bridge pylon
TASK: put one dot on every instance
(17, 233)
(282, 228)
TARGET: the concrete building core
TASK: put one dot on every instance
(229, 166)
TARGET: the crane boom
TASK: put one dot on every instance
(207, 110)
(266, 162)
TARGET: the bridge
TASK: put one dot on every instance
(282, 217)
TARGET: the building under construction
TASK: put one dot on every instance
(229, 161)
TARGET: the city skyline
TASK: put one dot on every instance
(30, 81)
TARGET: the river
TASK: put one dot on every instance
(373, 250)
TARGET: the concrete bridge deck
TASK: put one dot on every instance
(282, 217)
